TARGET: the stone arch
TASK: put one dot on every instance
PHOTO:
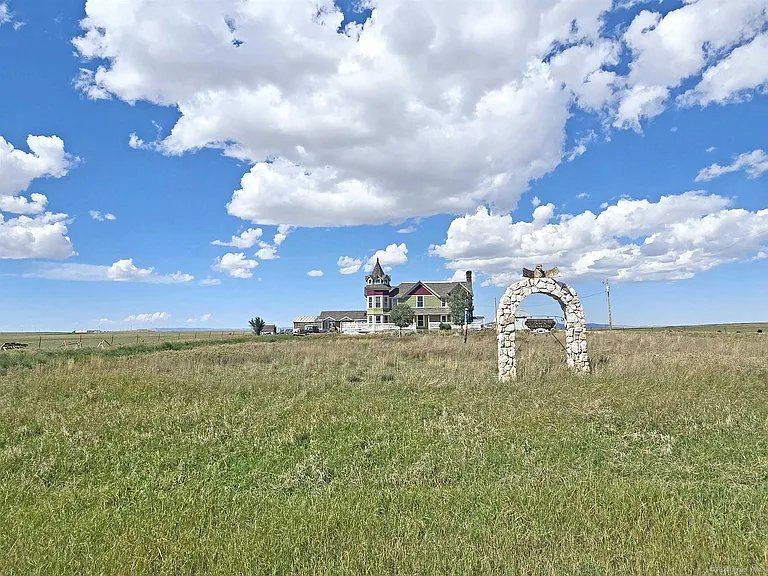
(575, 323)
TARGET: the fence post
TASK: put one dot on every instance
(137, 338)
(113, 340)
(40, 343)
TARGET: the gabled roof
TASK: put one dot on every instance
(339, 315)
(439, 289)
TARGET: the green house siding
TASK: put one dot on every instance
(429, 302)
(375, 311)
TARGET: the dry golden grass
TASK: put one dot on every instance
(336, 455)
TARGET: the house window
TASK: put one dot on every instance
(378, 301)
(378, 319)
(386, 301)
(370, 319)
(443, 318)
(420, 321)
(386, 319)
(378, 280)
(370, 301)
(444, 302)
(419, 301)
(370, 280)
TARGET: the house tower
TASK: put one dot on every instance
(377, 295)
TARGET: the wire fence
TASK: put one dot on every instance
(51, 341)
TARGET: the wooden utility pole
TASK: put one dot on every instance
(608, 296)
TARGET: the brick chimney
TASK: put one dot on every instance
(469, 276)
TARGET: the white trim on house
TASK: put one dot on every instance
(419, 283)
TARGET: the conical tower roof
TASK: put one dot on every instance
(377, 272)
(377, 275)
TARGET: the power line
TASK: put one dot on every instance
(553, 303)
(751, 237)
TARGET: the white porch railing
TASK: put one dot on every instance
(354, 328)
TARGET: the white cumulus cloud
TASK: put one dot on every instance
(436, 106)
(43, 236)
(754, 163)
(698, 36)
(35, 204)
(268, 251)
(734, 77)
(634, 240)
(315, 273)
(235, 265)
(392, 255)
(46, 158)
(349, 265)
(36, 233)
(429, 107)
(247, 239)
(282, 233)
(202, 320)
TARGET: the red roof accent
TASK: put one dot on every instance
(421, 291)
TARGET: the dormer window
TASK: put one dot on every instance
(370, 280)
(378, 280)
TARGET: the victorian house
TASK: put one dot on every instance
(429, 300)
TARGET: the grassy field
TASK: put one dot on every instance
(377, 455)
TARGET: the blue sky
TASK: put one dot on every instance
(644, 166)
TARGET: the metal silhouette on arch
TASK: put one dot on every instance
(575, 323)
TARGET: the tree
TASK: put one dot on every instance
(459, 300)
(401, 316)
(257, 325)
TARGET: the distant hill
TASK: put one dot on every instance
(190, 329)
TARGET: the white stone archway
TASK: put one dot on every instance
(575, 323)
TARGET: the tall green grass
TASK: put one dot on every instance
(389, 455)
